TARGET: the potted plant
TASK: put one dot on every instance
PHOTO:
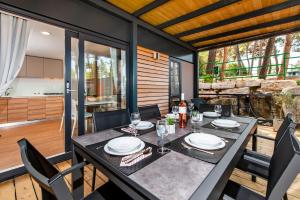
(170, 125)
(280, 100)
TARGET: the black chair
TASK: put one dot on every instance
(52, 181)
(111, 119)
(226, 109)
(149, 112)
(257, 163)
(107, 120)
(284, 167)
(198, 102)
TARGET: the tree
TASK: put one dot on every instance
(239, 59)
(225, 59)
(268, 52)
(286, 50)
(211, 61)
(252, 57)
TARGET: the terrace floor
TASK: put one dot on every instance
(25, 188)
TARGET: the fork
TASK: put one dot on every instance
(194, 148)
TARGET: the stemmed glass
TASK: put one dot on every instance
(175, 111)
(135, 120)
(191, 106)
(161, 129)
(195, 121)
(218, 109)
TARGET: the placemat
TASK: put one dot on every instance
(238, 130)
(176, 145)
(140, 132)
(114, 161)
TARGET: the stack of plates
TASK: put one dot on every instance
(211, 114)
(143, 125)
(204, 141)
(226, 123)
(122, 146)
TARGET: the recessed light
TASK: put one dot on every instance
(45, 33)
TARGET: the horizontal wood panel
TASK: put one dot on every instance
(141, 50)
(17, 109)
(145, 66)
(153, 86)
(146, 62)
(146, 78)
(150, 71)
(152, 59)
(3, 111)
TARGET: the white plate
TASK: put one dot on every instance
(204, 139)
(143, 125)
(226, 123)
(112, 152)
(211, 114)
(205, 144)
(124, 144)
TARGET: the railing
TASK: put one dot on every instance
(232, 71)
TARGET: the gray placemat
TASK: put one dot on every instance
(238, 130)
(114, 161)
(140, 132)
(176, 145)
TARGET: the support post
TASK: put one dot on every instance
(133, 69)
(196, 74)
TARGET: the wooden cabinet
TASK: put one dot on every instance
(54, 107)
(53, 68)
(36, 108)
(34, 67)
(17, 109)
(3, 110)
(23, 70)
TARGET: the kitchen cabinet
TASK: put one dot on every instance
(36, 108)
(54, 107)
(23, 69)
(17, 109)
(3, 110)
(53, 68)
(34, 67)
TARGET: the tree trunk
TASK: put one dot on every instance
(225, 59)
(239, 59)
(260, 56)
(252, 57)
(268, 52)
(286, 51)
(211, 61)
(276, 59)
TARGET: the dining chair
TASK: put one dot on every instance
(284, 167)
(107, 120)
(198, 102)
(52, 181)
(226, 109)
(149, 112)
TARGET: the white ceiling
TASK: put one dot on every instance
(52, 46)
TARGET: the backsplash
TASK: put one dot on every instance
(36, 86)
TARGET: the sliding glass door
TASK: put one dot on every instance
(97, 80)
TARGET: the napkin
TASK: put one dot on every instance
(143, 124)
(138, 159)
(128, 130)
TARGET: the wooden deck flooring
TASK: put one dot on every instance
(25, 188)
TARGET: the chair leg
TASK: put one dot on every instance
(62, 122)
(254, 148)
(74, 125)
(93, 179)
(285, 197)
(47, 195)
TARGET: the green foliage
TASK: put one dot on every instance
(170, 121)
(232, 70)
(298, 82)
(208, 78)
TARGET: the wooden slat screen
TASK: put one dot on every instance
(153, 79)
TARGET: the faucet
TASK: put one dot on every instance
(7, 91)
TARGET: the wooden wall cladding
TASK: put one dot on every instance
(3, 111)
(153, 79)
(54, 107)
(17, 109)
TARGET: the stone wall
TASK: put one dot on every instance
(259, 93)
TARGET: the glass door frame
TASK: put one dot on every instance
(174, 60)
(81, 78)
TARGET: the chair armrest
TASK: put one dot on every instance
(263, 137)
(257, 155)
(256, 161)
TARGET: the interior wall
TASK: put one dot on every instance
(187, 73)
(153, 79)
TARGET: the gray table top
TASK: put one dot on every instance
(174, 175)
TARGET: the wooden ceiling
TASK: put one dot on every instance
(208, 24)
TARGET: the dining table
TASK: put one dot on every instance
(176, 175)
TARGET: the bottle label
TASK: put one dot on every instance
(182, 109)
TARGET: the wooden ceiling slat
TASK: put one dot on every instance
(197, 13)
(249, 28)
(245, 35)
(241, 17)
(130, 5)
(149, 7)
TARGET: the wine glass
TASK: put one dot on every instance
(161, 130)
(191, 106)
(195, 121)
(218, 109)
(175, 110)
(135, 120)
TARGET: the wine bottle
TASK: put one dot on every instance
(182, 112)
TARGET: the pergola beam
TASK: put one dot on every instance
(249, 28)
(249, 15)
(149, 7)
(247, 39)
(196, 13)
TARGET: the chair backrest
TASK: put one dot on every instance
(284, 166)
(198, 102)
(287, 123)
(110, 119)
(36, 164)
(226, 109)
(149, 112)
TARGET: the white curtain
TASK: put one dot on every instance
(14, 33)
(114, 68)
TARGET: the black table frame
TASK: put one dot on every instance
(210, 188)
